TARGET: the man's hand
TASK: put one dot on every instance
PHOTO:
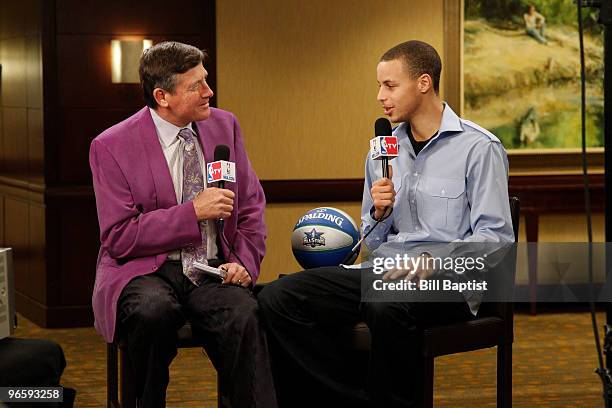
(213, 203)
(383, 195)
(236, 274)
(423, 271)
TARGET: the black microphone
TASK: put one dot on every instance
(222, 152)
(382, 127)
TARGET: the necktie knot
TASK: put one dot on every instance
(187, 136)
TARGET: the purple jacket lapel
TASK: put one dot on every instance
(164, 189)
(210, 135)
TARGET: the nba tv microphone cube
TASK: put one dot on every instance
(383, 146)
(7, 293)
(221, 171)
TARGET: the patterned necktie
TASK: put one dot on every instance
(193, 183)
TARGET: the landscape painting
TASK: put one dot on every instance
(522, 72)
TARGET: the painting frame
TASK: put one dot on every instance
(522, 162)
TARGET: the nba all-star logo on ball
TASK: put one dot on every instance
(323, 237)
(314, 239)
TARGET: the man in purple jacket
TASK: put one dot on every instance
(157, 217)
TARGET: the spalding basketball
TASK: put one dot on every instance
(323, 237)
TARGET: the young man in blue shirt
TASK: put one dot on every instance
(449, 184)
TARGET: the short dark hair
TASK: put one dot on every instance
(160, 64)
(419, 57)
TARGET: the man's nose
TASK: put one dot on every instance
(207, 92)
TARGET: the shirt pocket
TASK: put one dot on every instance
(442, 201)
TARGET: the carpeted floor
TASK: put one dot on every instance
(554, 360)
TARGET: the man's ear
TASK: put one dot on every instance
(160, 97)
(424, 83)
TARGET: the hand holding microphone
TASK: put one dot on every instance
(383, 147)
(215, 203)
(383, 194)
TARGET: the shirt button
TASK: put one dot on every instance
(412, 201)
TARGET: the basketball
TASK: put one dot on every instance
(323, 237)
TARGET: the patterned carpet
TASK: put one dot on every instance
(554, 359)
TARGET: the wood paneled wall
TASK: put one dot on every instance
(56, 96)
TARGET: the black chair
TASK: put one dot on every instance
(492, 328)
(116, 351)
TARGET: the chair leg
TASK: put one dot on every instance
(428, 382)
(128, 383)
(504, 375)
(219, 401)
(112, 370)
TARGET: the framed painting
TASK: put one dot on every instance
(513, 67)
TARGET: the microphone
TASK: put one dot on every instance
(221, 170)
(222, 153)
(384, 146)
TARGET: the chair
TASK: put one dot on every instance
(126, 375)
(493, 327)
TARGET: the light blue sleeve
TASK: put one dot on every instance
(487, 194)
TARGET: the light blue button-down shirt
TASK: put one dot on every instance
(455, 190)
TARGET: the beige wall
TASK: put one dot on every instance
(301, 77)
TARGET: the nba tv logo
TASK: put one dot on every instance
(214, 171)
(388, 146)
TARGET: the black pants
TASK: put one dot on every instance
(303, 313)
(225, 318)
(33, 363)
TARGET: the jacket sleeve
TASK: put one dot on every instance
(250, 238)
(125, 230)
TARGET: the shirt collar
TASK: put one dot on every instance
(450, 123)
(167, 131)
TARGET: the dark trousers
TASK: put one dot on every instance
(303, 313)
(224, 317)
(33, 363)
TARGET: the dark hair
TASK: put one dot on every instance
(419, 57)
(160, 64)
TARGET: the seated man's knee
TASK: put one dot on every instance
(244, 316)
(157, 315)
(270, 297)
(385, 315)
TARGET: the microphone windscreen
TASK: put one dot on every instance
(382, 127)
(222, 152)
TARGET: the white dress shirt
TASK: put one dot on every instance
(173, 146)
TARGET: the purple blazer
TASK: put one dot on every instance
(140, 220)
